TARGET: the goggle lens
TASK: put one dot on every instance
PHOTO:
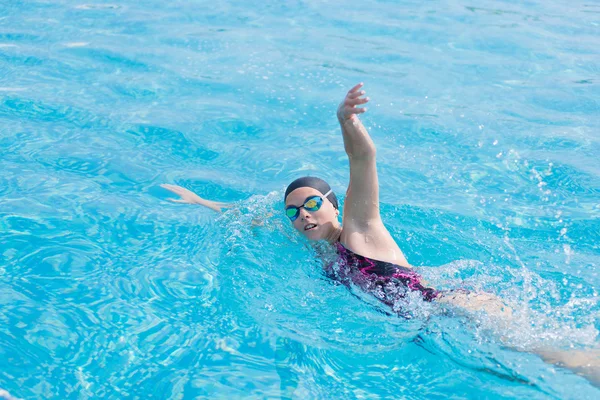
(312, 204)
(292, 213)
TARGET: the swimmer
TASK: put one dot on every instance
(368, 256)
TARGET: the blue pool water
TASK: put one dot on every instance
(485, 116)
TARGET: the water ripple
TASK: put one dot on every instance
(484, 122)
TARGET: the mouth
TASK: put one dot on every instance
(309, 227)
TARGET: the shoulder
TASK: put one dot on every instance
(358, 235)
(372, 240)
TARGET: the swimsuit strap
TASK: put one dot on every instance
(387, 271)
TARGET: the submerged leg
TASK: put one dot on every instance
(583, 362)
(475, 302)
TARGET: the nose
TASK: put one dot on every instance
(303, 213)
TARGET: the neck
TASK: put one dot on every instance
(334, 235)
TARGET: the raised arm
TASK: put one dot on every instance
(362, 229)
(362, 200)
(189, 197)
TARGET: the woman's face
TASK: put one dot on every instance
(315, 225)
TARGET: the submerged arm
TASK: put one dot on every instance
(189, 197)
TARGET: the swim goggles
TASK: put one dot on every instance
(312, 204)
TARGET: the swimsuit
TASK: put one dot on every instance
(388, 282)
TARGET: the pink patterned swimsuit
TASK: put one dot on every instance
(388, 282)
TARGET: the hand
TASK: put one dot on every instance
(189, 197)
(347, 109)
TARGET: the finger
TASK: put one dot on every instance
(356, 94)
(354, 102)
(175, 190)
(172, 188)
(358, 110)
(356, 87)
(178, 189)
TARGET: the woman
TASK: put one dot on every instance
(368, 256)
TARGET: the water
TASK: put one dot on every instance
(485, 119)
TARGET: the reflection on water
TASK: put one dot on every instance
(484, 120)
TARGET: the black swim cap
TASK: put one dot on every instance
(315, 183)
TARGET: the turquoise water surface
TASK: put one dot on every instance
(485, 117)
